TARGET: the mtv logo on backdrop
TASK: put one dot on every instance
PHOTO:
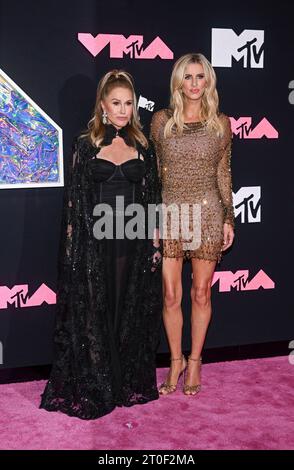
(120, 46)
(145, 104)
(242, 127)
(247, 47)
(247, 202)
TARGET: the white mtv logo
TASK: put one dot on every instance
(247, 202)
(249, 46)
(146, 104)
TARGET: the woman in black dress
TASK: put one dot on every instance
(109, 296)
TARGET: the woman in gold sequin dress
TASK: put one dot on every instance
(193, 144)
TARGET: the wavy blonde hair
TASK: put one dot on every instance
(209, 103)
(96, 128)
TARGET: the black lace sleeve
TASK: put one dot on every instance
(152, 189)
(70, 225)
(152, 195)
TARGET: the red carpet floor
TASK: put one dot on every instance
(243, 405)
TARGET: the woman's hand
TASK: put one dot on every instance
(156, 256)
(156, 259)
(228, 236)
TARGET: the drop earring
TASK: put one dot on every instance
(104, 117)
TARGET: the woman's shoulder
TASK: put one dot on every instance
(84, 141)
(83, 145)
(161, 116)
(147, 152)
(225, 120)
(158, 122)
(227, 128)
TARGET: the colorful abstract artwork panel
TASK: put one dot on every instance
(30, 141)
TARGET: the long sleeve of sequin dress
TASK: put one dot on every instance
(195, 172)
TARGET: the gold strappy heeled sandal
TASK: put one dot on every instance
(166, 387)
(192, 389)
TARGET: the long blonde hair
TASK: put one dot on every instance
(96, 128)
(209, 104)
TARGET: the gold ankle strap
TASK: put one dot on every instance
(177, 358)
(196, 360)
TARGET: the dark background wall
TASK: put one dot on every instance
(39, 50)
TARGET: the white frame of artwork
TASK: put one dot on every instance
(60, 139)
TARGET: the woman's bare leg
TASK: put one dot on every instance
(172, 314)
(201, 314)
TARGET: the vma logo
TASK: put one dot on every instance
(145, 103)
(120, 46)
(248, 47)
(240, 281)
(242, 127)
(247, 202)
(19, 297)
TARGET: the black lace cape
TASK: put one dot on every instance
(81, 382)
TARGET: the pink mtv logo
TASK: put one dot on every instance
(119, 46)
(19, 297)
(240, 280)
(243, 128)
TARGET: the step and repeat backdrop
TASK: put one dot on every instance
(52, 55)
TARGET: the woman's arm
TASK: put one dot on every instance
(70, 210)
(156, 131)
(224, 176)
(152, 195)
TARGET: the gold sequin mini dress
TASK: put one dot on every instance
(195, 171)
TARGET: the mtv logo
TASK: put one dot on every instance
(242, 127)
(247, 202)
(248, 47)
(240, 281)
(145, 104)
(19, 296)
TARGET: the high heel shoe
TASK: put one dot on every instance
(192, 389)
(166, 387)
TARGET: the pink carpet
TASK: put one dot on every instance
(243, 405)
